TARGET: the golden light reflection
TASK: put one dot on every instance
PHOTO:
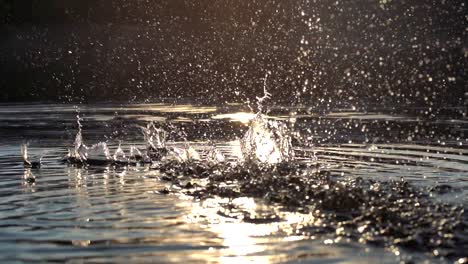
(29, 181)
(233, 149)
(190, 109)
(246, 242)
(242, 240)
(245, 117)
(242, 117)
(146, 118)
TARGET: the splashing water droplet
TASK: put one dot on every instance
(98, 152)
(119, 154)
(215, 156)
(266, 142)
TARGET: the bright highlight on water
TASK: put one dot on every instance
(269, 167)
(218, 131)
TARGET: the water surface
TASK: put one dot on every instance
(109, 213)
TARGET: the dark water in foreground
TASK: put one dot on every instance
(108, 213)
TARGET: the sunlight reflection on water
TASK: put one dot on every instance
(122, 210)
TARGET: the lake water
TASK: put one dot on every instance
(61, 212)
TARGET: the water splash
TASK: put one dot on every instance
(266, 142)
(26, 160)
(192, 154)
(79, 152)
(136, 155)
(98, 152)
(155, 140)
(119, 155)
(266, 94)
(24, 154)
(215, 156)
(380, 213)
(187, 155)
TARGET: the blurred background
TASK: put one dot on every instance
(319, 53)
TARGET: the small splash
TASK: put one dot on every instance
(24, 154)
(155, 138)
(26, 160)
(98, 152)
(119, 154)
(187, 155)
(215, 156)
(136, 155)
(79, 151)
(266, 95)
(192, 154)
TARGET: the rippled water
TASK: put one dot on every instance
(106, 213)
